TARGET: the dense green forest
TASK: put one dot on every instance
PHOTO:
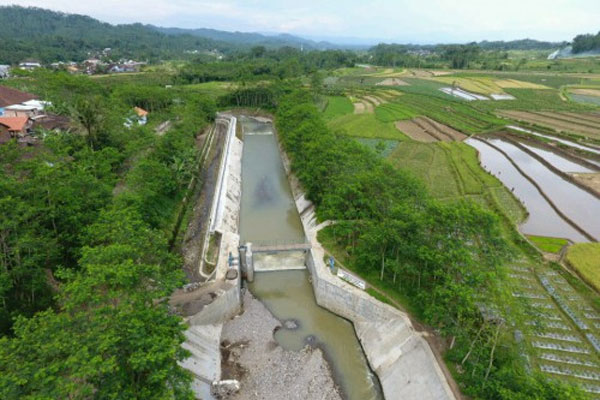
(50, 36)
(86, 220)
(588, 42)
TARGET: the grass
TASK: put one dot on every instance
(365, 126)
(326, 238)
(384, 147)
(337, 106)
(585, 259)
(548, 244)
(455, 113)
(482, 85)
(451, 171)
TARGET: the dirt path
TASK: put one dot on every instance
(265, 370)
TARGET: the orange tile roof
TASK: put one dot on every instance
(14, 124)
(140, 112)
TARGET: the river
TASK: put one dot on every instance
(269, 216)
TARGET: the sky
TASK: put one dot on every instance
(401, 21)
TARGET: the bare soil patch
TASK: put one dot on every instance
(426, 130)
(392, 82)
(445, 130)
(375, 100)
(573, 118)
(590, 180)
(586, 92)
(556, 124)
(415, 132)
(359, 108)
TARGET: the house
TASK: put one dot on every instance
(16, 126)
(139, 115)
(10, 97)
(4, 71)
(29, 65)
(142, 115)
(29, 108)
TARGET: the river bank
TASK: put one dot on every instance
(264, 369)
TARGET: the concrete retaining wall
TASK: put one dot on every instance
(204, 333)
(401, 358)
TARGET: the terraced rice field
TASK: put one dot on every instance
(392, 82)
(451, 171)
(559, 328)
(336, 106)
(587, 124)
(423, 129)
(454, 114)
(366, 126)
(487, 85)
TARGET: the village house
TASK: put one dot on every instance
(16, 126)
(29, 108)
(11, 97)
(30, 65)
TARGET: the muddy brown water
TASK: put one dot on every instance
(268, 215)
(543, 219)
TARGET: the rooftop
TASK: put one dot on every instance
(10, 96)
(14, 124)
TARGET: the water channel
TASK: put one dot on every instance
(268, 215)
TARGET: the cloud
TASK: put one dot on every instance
(401, 20)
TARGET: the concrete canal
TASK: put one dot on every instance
(269, 217)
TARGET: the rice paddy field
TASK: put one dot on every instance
(584, 258)
(556, 316)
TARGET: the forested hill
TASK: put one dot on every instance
(249, 38)
(523, 44)
(50, 36)
(585, 43)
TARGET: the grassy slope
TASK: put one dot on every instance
(548, 244)
(366, 126)
(585, 259)
(452, 171)
(337, 106)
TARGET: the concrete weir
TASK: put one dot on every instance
(397, 354)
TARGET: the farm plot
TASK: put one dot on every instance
(336, 106)
(451, 171)
(585, 259)
(423, 129)
(365, 125)
(557, 324)
(585, 125)
(392, 82)
(457, 115)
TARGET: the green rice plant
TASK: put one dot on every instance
(548, 244)
(336, 106)
(585, 259)
(365, 126)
